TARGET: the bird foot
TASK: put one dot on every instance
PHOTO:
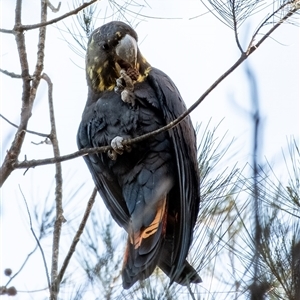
(118, 148)
(125, 85)
(127, 96)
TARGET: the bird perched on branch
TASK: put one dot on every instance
(151, 188)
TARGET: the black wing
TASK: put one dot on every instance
(105, 181)
(183, 137)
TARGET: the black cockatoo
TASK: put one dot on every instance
(152, 187)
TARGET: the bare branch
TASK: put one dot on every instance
(29, 90)
(235, 27)
(27, 130)
(15, 149)
(234, 12)
(55, 10)
(6, 31)
(11, 74)
(48, 161)
(77, 236)
(58, 195)
(37, 240)
(290, 13)
(73, 12)
(46, 141)
(25, 261)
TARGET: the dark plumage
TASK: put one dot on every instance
(151, 189)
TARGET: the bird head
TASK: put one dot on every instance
(113, 47)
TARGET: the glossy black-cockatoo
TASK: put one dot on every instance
(151, 188)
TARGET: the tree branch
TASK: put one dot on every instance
(15, 149)
(6, 31)
(58, 194)
(27, 130)
(265, 36)
(36, 239)
(77, 236)
(73, 12)
(11, 74)
(235, 27)
(29, 91)
(54, 9)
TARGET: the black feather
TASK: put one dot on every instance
(159, 174)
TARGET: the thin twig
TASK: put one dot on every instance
(48, 161)
(73, 12)
(28, 255)
(6, 31)
(54, 9)
(44, 23)
(252, 47)
(235, 27)
(27, 130)
(77, 236)
(28, 292)
(58, 195)
(37, 240)
(10, 74)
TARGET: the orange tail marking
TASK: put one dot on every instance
(137, 237)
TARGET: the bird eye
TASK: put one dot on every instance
(105, 46)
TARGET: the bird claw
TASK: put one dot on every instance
(125, 86)
(128, 97)
(112, 154)
(119, 85)
(118, 148)
(117, 145)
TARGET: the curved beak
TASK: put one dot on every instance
(126, 50)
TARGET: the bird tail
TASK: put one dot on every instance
(184, 276)
(143, 249)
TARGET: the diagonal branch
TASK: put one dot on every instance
(73, 12)
(77, 236)
(37, 240)
(45, 23)
(34, 163)
(282, 20)
(28, 131)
